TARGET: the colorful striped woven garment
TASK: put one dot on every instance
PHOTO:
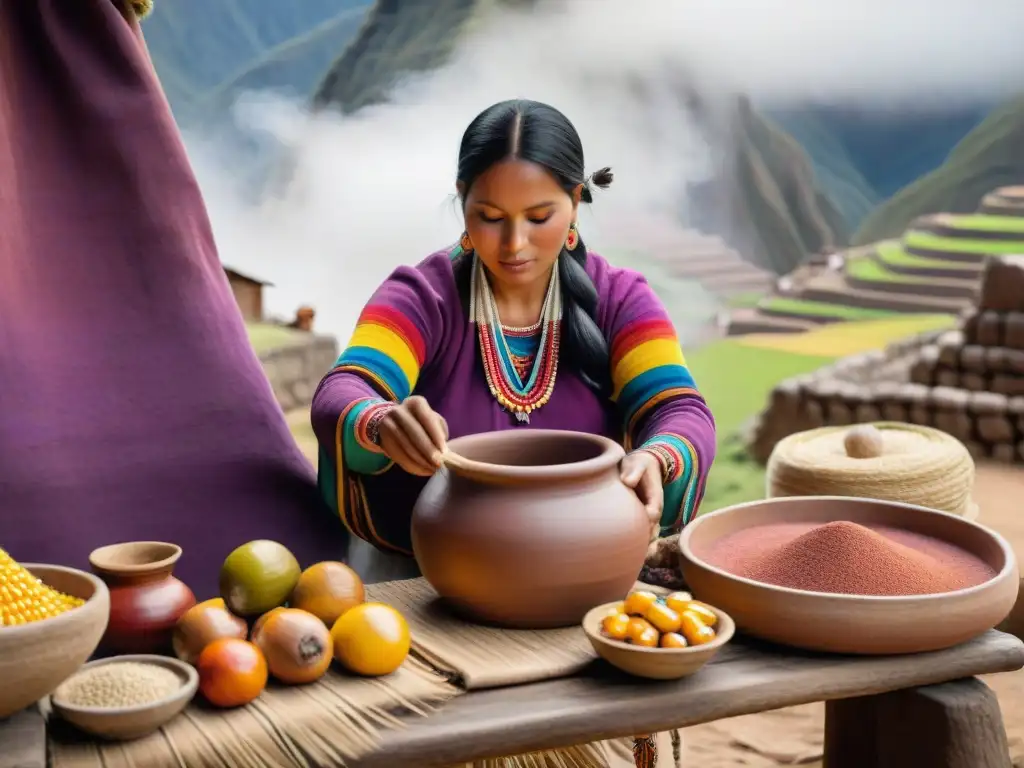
(649, 370)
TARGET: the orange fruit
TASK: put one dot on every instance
(637, 603)
(371, 639)
(327, 590)
(232, 672)
(615, 625)
(678, 601)
(637, 627)
(648, 638)
(213, 602)
(663, 618)
(296, 645)
(703, 612)
(673, 640)
(694, 630)
(261, 621)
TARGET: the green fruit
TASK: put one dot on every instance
(257, 577)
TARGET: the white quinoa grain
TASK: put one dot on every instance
(120, 684)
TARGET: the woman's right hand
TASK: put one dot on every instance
(413, 435)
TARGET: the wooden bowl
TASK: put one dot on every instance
(35, 658)
(655, 663)
(124, 723)
(853, 624)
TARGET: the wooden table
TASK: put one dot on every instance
(925, 711)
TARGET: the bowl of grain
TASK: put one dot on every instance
(851, 575)
(65, 613)
(125, 697)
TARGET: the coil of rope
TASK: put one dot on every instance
(887, 460)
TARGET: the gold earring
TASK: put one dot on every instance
(465, 243)
(573, 238)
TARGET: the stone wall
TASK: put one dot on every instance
(295, 370)
(968, 383)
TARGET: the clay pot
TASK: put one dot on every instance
(146, 600)
(530, 528)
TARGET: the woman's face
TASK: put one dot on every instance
(518, 217)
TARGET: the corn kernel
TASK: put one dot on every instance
(25, 599)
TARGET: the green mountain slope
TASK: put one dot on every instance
(207, 50)
(767, 179)
(990, 156)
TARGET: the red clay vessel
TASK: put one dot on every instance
(530, 528)
(146, 600)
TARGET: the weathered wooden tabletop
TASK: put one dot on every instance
(601, 703)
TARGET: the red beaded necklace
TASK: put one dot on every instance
(517, 396)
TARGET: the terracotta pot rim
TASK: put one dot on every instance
(1009, 556)
(100, 561)
(611, 454)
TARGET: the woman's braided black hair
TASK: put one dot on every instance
(538, 133)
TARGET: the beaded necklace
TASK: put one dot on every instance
(517, 396)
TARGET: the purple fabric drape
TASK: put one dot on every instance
(131, 404)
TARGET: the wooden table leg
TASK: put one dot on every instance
(951, 725)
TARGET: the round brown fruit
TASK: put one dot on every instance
(327, 590)
(296, 644)
(201, 625)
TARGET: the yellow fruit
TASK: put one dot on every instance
(371, 639)
(637, 603)
(24, 598)
(678, 601)
(615, 626)
(694, 630)
(663, 618)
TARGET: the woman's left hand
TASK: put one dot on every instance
(641, 471)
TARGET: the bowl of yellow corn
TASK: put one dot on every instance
(51, 620)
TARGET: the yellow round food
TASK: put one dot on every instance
(694, 630)
(637, 603)
(663, 618)
(24, 598)
(371, 639)
(678, 601)
(704, 612)
(673, 640)
(615, 626)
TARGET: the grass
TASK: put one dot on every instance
(892, 252)
(265, 336)
(931, 242)
(814, 309)
(984, 222)
(841, 339)
(865, 268)
(737, 376)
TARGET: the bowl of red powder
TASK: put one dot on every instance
(850, 575)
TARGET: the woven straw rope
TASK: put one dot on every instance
(917, 465)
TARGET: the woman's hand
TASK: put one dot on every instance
(413, 435)
(641, 471)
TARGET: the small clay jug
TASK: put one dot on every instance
(530, 528)
(146, 600)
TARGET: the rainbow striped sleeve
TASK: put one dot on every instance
(661, 408)
(396, 334)
(388, 349)
(648, 368)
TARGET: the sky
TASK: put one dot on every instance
(376, 190)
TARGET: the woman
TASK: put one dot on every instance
(517, 327)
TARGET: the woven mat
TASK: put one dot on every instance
(475, 656)
(327, 723)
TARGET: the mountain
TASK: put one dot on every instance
(207, 52)
(766, 178)
(990, 156)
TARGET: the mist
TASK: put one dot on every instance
(375, 190)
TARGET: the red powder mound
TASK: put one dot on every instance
(847, 558)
